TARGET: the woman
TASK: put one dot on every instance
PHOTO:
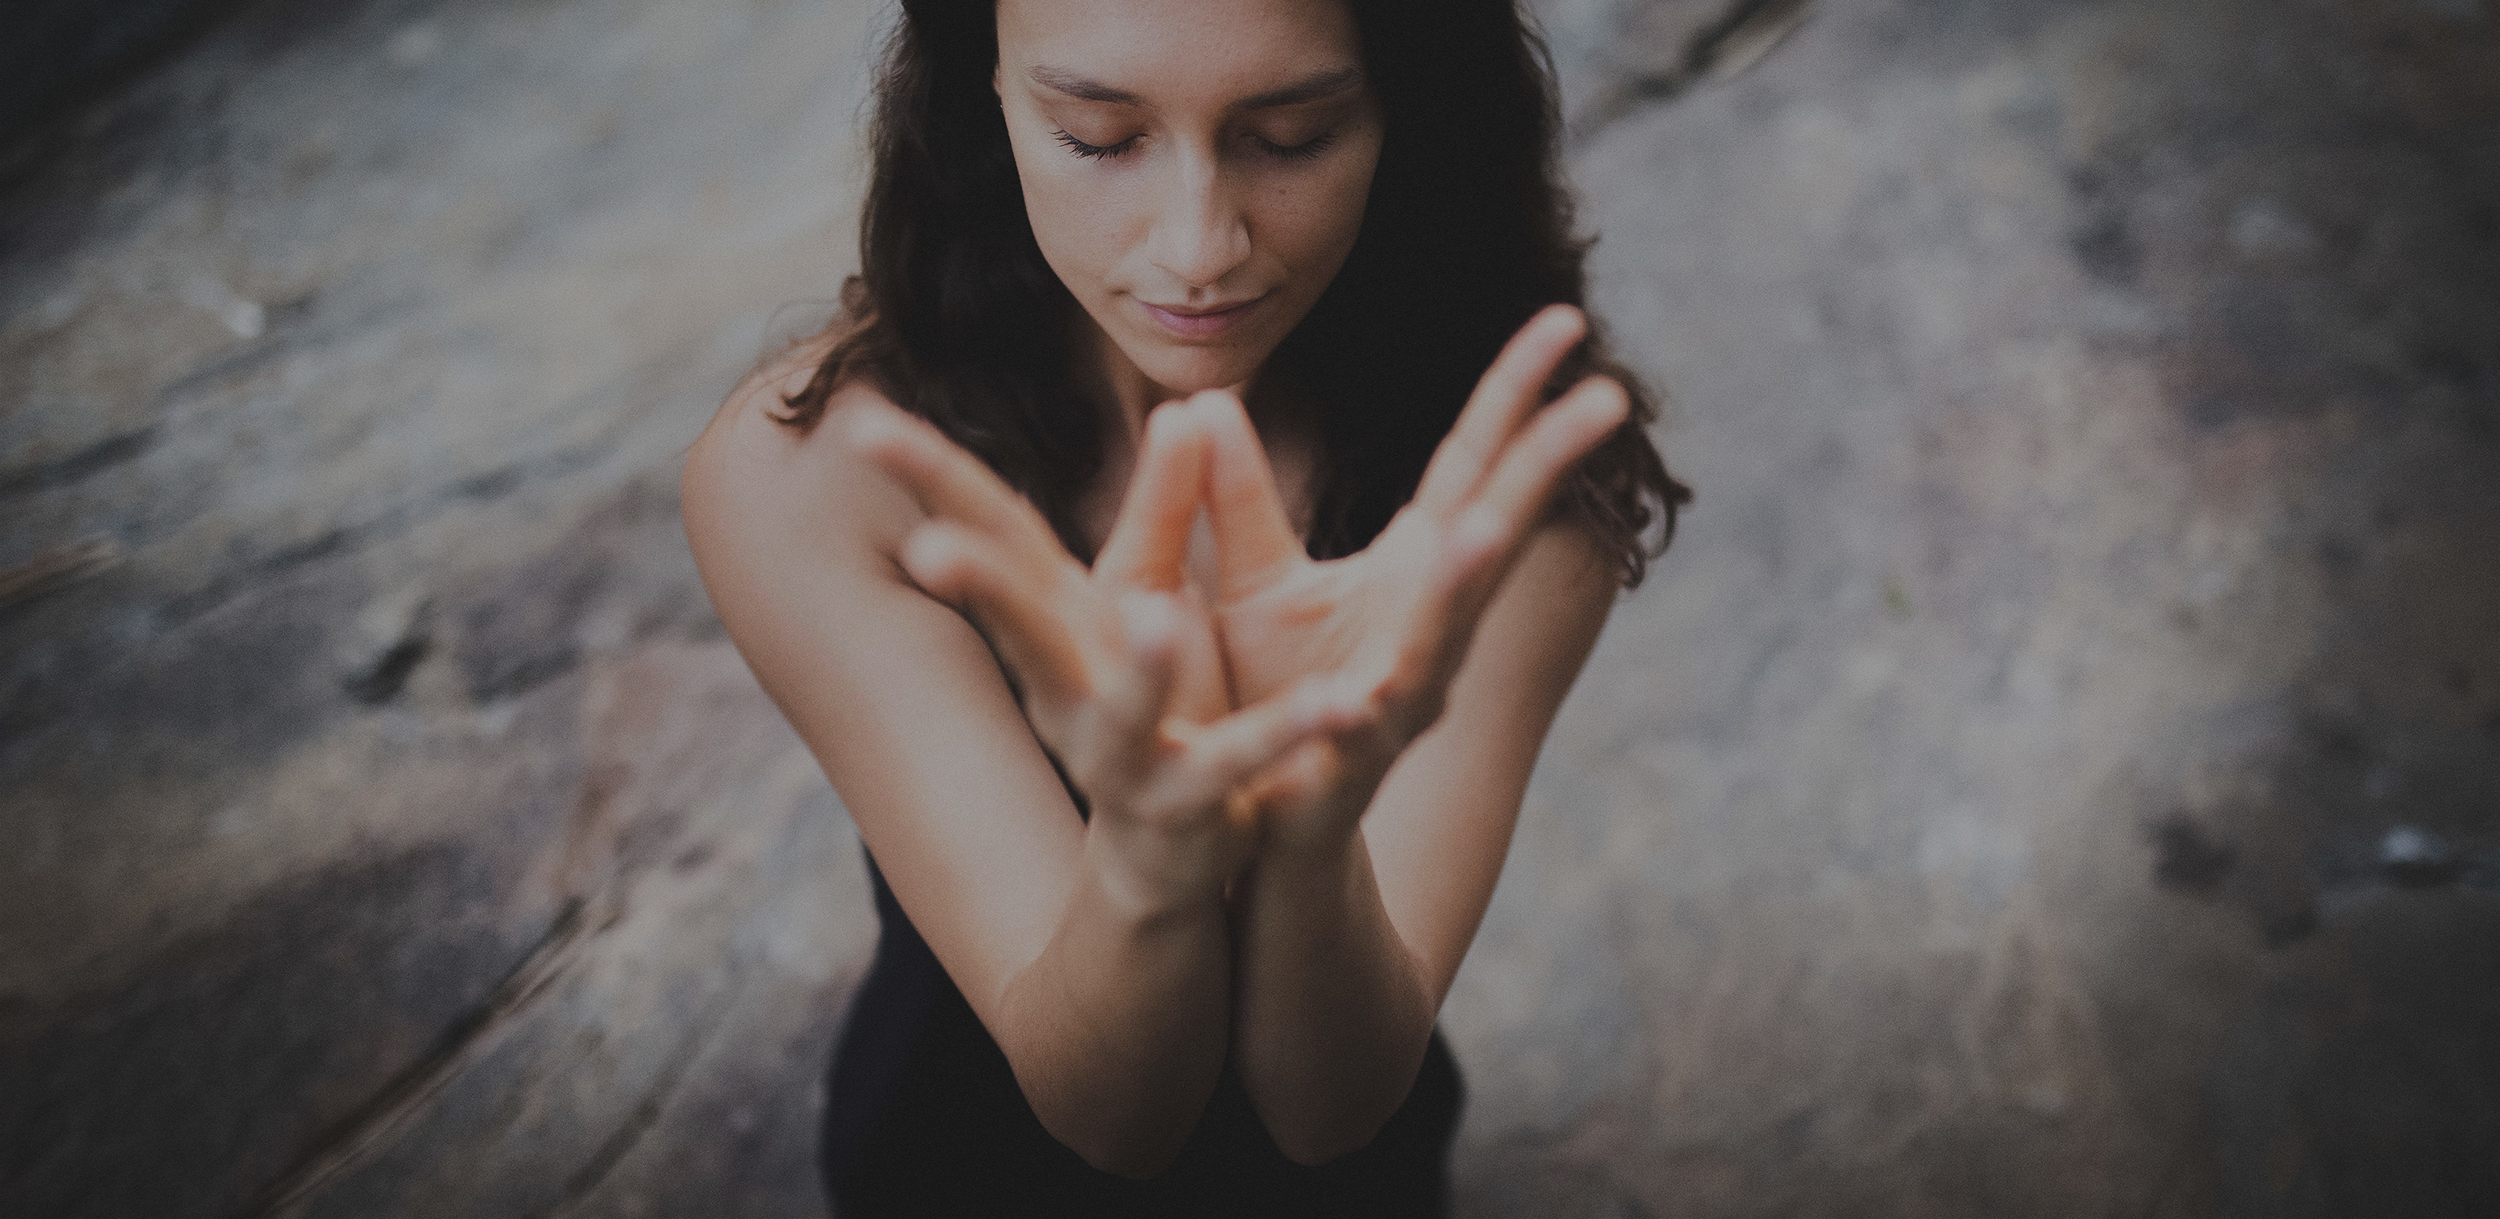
(1177, 853)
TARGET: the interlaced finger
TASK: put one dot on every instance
(1254, 538)
(1509, 390)
(1225, 756)
(1151, 538)
(1125, 731)
(1341, 761)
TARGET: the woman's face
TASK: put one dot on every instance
(1195, 170)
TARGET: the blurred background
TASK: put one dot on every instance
(2056, 772)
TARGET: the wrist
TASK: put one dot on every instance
(1293, 838)
(1315, 867)
(1149, 883)
(1311, 817)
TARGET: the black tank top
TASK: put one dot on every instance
(923, 1118)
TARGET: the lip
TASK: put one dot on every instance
(1201, 323)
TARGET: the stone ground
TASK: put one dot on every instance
(2057, 771)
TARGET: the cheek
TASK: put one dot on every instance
(1078, 219)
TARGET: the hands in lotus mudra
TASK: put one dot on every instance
(1207, 724)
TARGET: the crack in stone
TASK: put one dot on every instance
(399, 518)
(585, 1181)
(58, 568)
(79, 466)
(356, 1139)
(1741, 35)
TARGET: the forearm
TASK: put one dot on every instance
(1331, 1016)
(1118, 1030)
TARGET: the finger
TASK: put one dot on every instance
(1151, 538)
(966, 569)
(1296, 786)
(1509, 390)
(1254, 539)
(1134, 703)
(1226, 755)
(1342, 761)
(1523, 482)
(1410, 688)
(1480, 544)
(952, 483)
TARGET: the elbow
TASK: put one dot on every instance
(1312, 1144)
(1136, 1142)
(1334, 1114)
(1136, 1155)
(1337, 1113)
(1131, 1166)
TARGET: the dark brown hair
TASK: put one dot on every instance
(1467, 233)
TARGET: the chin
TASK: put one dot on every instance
(1187, 370)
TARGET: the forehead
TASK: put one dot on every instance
(1177, 50)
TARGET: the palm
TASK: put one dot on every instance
(1374, 639)
(1322, 617)
(1389, 625)
(1117, 667)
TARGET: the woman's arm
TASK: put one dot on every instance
(1346, 947)
(1462, 625)
(1093, 957)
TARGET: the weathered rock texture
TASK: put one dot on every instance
(2056, 772)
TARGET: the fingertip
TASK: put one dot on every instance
(1478, 531)
(934, 558)
(1151, 622)
(1604, 396)
(1562, 318)
(1165, 417)
(1324, 707)
(1349, 720)
(1592, 412)
(1305, 774)
(1217, 404)
(1241, 809)
(1176, 425)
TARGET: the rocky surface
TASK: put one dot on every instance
(1991, 809)
(2057, 771)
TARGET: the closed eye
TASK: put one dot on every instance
(1093, 152)
(1303, 151)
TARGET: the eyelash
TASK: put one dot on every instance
(1092, 152)
(1304, 151)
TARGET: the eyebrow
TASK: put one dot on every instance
(1309, 89)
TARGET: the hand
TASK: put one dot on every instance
(1388, 627)
(1117, 665)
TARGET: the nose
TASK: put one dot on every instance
(1201, 232)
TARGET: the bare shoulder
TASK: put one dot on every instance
(1540, 626)
(755, 475)
(1564, 570)
(898, 697)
